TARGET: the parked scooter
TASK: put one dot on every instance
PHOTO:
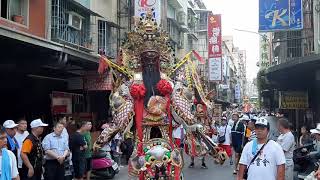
(103, 166)
(303, 163)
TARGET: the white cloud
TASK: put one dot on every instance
(240, 14)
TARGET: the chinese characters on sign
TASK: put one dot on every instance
(143, 6)
(214, 35)
(280, 15)
(215, 69)
(237, 92)
(214, 47)
(293, 100)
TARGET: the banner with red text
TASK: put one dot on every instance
(214, 36)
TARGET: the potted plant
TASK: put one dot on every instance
(18, 19)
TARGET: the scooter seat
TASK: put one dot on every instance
(101, 163)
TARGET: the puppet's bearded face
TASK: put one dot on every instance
(150, 59)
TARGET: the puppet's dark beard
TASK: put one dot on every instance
(151, 76)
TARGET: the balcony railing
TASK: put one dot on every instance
(202, 27)
(63, 32)
(296, 44)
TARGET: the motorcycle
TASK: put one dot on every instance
(304, 164)
(103, 166)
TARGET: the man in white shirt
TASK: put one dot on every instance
(270, 161)
(287, 142)
(21, 134)
(56, 150)
(178, 135)
(225, 130)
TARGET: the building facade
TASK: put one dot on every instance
(52, 48)
(49, 50)
(294, 67)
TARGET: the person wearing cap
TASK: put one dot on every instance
(20, 136)
(225, 130)
(269, 163)
(32, 152)
(246, 119)
(237, 139)
(8, 161)
(316, 133)
(287, 142)
(12, 144)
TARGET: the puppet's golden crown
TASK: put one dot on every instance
(147, 38)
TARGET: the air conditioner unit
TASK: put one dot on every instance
(75, 20)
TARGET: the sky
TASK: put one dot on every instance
(244, 15)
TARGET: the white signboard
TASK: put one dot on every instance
(215, 69)
(143, 6)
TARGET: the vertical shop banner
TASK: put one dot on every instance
(237, 92)
(276, 15)
(141, 7)
(215, 69)
(214, 47)
(214, 36)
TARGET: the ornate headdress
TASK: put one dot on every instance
(147, 45)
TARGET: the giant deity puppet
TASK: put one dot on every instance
(151, 93)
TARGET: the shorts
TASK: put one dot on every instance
(237, 148)
(88, 164)
(79, 167)
(227, 148)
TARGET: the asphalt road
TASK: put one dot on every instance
(214, 172)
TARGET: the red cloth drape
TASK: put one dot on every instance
(103, 64)
(138, 92)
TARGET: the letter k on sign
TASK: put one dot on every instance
(277, 15)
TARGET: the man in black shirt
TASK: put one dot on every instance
(77, 147)
(237, 137)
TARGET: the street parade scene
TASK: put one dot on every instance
(160, 89)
